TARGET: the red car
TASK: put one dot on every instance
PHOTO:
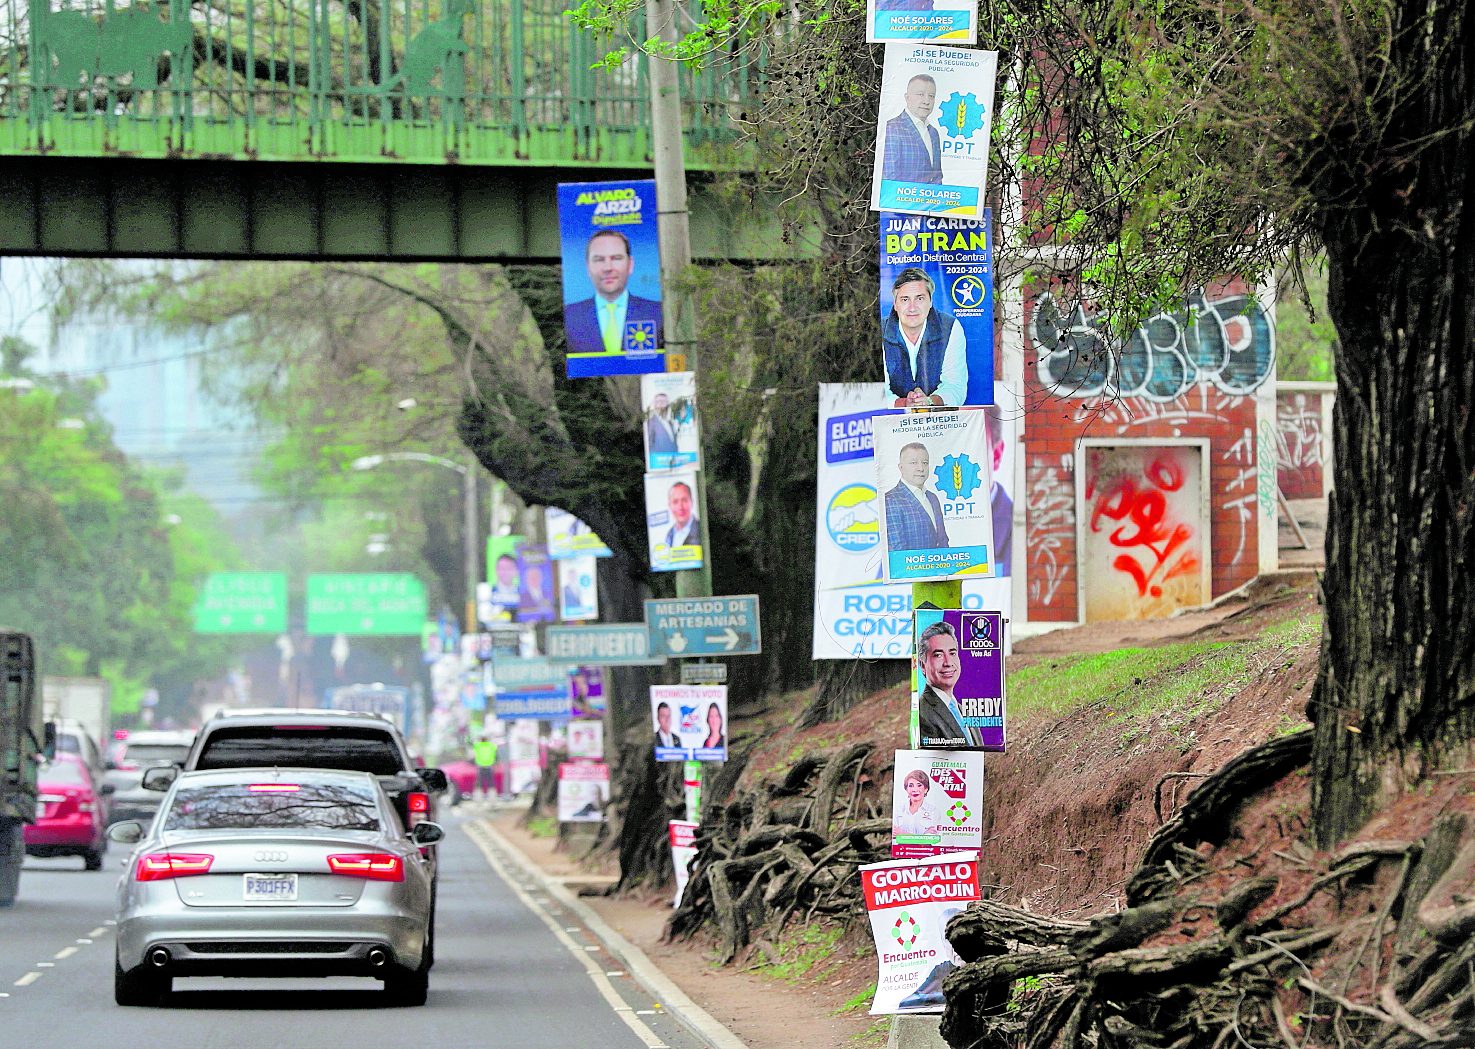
(71, 813)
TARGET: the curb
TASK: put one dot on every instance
(672, 998)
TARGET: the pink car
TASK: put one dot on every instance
(462, 775)
(71, 813)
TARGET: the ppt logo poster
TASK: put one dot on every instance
(932, 130)
(611, 278)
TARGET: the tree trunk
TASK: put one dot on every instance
(1396, 692)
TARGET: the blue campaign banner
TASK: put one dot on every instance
(923, 196)
(611, 278)
(889, 22)
(937, 309)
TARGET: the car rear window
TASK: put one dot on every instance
(237, 806)
(67, 772)
(155, 752)
(271, 746)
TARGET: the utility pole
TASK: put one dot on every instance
(668, 148)
(472, 530)
(674, 227)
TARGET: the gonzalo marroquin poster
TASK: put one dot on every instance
(910, 903)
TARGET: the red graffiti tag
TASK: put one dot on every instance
(1147, 508)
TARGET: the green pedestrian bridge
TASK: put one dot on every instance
(372, 129)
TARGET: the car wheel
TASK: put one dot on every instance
(408, 986)
(455, 794)
(139, 987)
(92, 859)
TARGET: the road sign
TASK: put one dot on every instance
(703, 673)
(242, 603)
(378, 603)
(704, 626)
(530, 688)
(602, 645)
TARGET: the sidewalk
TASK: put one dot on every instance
(764, 1011)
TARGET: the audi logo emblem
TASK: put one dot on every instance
(270, 856)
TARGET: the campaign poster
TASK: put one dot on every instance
(683, 851)
(583, 791)
(578, 597)
(937, 310)
(917, 20)
(570, 537)
(611, 278)
(586, 739)
(958, 680)
(586, 692)
(690, 722)
(535, 584)
(932, 130)
(936, 803)
(856, 616)
(934, 476)
(669, 404)
(674, 533)
(910, 903)
(497, 603)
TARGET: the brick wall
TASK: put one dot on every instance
(1298, 444)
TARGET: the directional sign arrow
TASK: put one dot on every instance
(728, 639)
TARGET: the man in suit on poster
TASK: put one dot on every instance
(660, 432)
(913, 513)
(913, 149)
(939, 723)
(602, 323)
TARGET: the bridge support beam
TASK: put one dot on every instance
(131, 208)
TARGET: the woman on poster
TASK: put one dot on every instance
(915, 817)
(715, 738)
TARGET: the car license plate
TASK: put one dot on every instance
(270, 887)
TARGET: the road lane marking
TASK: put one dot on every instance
(28, 979)
(101, 930)
(46, 965)
(84, 941)
(601, 982)
(65, 952)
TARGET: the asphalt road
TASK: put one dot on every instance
(503, 978)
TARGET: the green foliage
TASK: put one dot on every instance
(99, 566)
(1305, 337)
(807, 952)
(860, 1001)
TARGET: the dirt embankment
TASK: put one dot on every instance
(1110, 726)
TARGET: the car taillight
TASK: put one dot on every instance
(160, 865)
(419, 807)
(376, 866)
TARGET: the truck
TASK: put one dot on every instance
(87, 701)
(22, 743)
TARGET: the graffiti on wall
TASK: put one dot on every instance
(1051, 527)
(1227, 343)
(1298, 445)
(1143, 543)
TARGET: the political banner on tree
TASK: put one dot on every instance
(856, 616)
(910, 903)
(611, 278)
(937, 310)
(499, 601)
(586, 692)
(578, 597)
(936, 803)
(674, 533)
(683, 851)
(934, 475)
(952, 23)
(586, 739)
(570, 537)
(669, 402)
(958, 680)
(690, 722)
(583, 791)
(535, 585)
(932, 130)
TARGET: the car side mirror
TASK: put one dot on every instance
(48, 741)
(159, 779)
(106, 789)
(129, 832)
(434, 779)
(427, 833)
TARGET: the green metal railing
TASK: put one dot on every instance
(421, 81)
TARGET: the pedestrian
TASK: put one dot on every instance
(484, 755)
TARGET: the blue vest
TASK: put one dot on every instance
(929, 353)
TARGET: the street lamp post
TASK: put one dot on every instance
(470, 532)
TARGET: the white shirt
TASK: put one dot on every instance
(921, 127)
(920, 822)
(952, 381)
(921, 498)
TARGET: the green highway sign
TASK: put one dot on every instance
(602, 645)
(382, 603)
(242, 603)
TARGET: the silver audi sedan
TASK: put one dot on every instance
(274, 872)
